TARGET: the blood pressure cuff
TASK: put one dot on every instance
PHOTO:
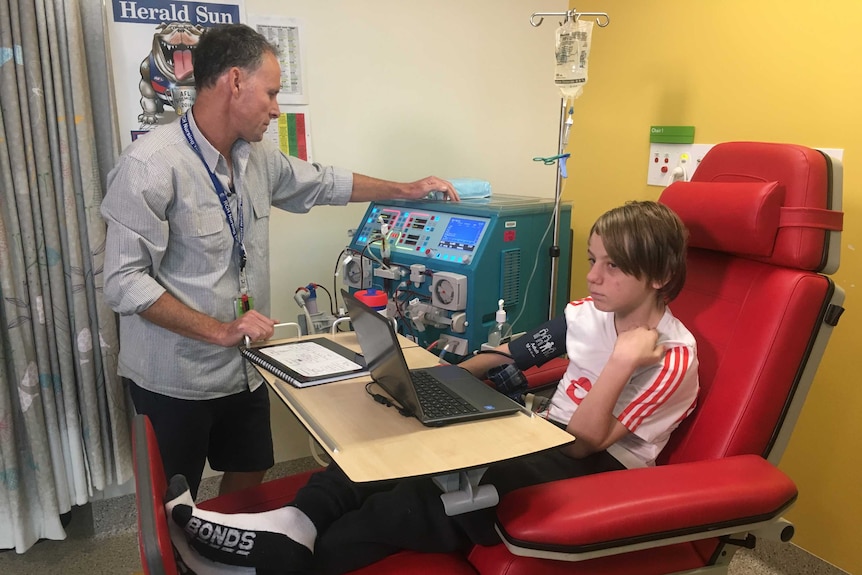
(540, 345)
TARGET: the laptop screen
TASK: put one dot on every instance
(382, 352)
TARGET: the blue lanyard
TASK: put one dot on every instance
(222, 196)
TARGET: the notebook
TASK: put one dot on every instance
(464, 396)
(308, 362)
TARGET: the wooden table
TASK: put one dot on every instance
(372, 442)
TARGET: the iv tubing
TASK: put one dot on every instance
(555, 270)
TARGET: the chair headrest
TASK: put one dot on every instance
(770, 202)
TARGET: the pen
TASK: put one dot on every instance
(248, 339)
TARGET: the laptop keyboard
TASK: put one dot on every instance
(437, 400)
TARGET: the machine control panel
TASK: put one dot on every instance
(446, 265)
(437, 235)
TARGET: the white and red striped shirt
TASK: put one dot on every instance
(653, 402)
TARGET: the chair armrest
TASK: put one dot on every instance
(546, 375)
(634, 506)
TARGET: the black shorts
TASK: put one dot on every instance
(233, 432)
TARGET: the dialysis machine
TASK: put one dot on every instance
(444, 266)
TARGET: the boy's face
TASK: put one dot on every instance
(615, 291)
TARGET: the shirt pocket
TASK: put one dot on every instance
(198, 223)
(258, 232)
(260, 205)
(200, 242)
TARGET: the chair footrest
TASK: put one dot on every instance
(266, 496)
(634, 506)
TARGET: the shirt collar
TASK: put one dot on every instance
(240, 150)
(210, 154)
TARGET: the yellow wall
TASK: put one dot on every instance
(781, 71)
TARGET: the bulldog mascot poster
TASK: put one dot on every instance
(152, 54)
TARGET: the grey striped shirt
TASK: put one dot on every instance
(167, 231)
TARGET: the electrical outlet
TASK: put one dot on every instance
(671, 162)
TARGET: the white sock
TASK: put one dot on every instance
(199, 564)
(268, 540)
(190, 558)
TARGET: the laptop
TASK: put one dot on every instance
(455, 395)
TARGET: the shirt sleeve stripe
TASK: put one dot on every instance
(681, 360)
(665, 384)
(649, 392)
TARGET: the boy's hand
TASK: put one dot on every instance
(637, 347)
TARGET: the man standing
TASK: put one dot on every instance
(187, 257)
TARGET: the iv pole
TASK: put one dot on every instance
(602, 20)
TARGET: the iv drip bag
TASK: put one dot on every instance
(573, 52)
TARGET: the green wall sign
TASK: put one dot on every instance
(671, 134)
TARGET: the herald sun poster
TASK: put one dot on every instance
(152, 46)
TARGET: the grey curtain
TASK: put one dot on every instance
(64, 432)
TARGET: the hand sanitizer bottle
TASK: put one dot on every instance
(501, 332)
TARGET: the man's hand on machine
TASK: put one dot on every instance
(425, 187)
(252, 325)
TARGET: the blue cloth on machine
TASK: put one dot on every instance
(467, 188)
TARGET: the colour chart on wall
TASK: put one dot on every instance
(291, 132)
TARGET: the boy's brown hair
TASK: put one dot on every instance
(646, 240)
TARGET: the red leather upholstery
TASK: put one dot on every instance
(154, 540)
(743, 217)
(805, 174)
(753, 323)
(269, 495)
(643, 503)
(547, 374)
(671, 559)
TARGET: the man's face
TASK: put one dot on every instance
(255, 102)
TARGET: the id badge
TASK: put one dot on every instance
(242, 304)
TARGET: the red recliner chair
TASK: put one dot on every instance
(764, 222)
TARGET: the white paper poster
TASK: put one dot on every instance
(152, 50)
(287, 35)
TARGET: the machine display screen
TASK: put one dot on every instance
(462, 234)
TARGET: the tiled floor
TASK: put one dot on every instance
(93, 547)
